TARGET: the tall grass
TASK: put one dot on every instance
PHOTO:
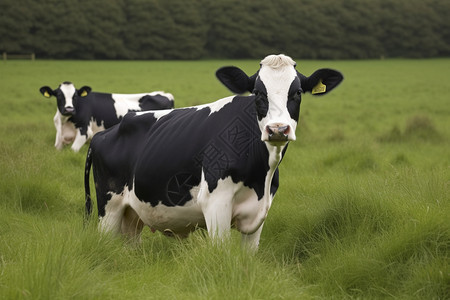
(362, 210)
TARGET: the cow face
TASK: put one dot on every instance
(277, 93)
(67, 96)
(277, 89)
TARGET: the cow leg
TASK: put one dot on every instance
(79, 141)
(112, 222)
(251, 241)
(217, 209)
(218, 219)
(132, 225)
(114, 213)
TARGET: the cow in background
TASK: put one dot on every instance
(212, 166)
(81, 113)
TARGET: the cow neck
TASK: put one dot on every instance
(275, 156)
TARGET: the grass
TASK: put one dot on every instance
(362, 211)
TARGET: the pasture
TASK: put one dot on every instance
(362, 210)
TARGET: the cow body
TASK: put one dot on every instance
(81, 113)
(167, 180)
(211, 166)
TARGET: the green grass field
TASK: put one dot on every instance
(362, 210)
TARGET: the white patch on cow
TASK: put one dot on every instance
(217, 206)
(69, 132)
(234, 204)
(65, 130)
(156, 113)
(161, 113)
(217, 105)
(58, 126)
(214, 107)
(114, 211)
(123, 103)
(68, 90)
(178, 220)
(95, 128)
(277, 73)
(126, 102)
(275, 153)
(80, 140)
(247, 210)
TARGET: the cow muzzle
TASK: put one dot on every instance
(69, 111)
(278, 132)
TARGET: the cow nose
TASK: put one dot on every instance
(278, 132)
(69, 110)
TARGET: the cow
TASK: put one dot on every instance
(81, 113)
(212, 166)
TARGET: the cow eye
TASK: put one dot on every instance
(297, 93)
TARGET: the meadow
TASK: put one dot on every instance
(362, 210)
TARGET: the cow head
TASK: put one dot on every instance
(277, 88)
(67, 96)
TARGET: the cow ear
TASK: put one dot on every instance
(236, 80)
(46, 91)
(321, 81)
(84, 91)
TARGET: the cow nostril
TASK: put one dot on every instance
(278, 129)
(283, 129)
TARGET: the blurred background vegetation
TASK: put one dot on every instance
(197, 29)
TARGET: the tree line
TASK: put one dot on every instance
(196, 29)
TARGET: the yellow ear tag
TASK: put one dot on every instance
(319, 88)
(84, 94)
(46, 94)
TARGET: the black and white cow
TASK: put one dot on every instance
(211, 166)
(81, 113)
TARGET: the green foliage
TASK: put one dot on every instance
(362, 210)
(176, 29)
(164, 29)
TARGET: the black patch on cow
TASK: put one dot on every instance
(261, 101)
(152, 102)
(275, 182)
(294, 99)
(178, 188)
